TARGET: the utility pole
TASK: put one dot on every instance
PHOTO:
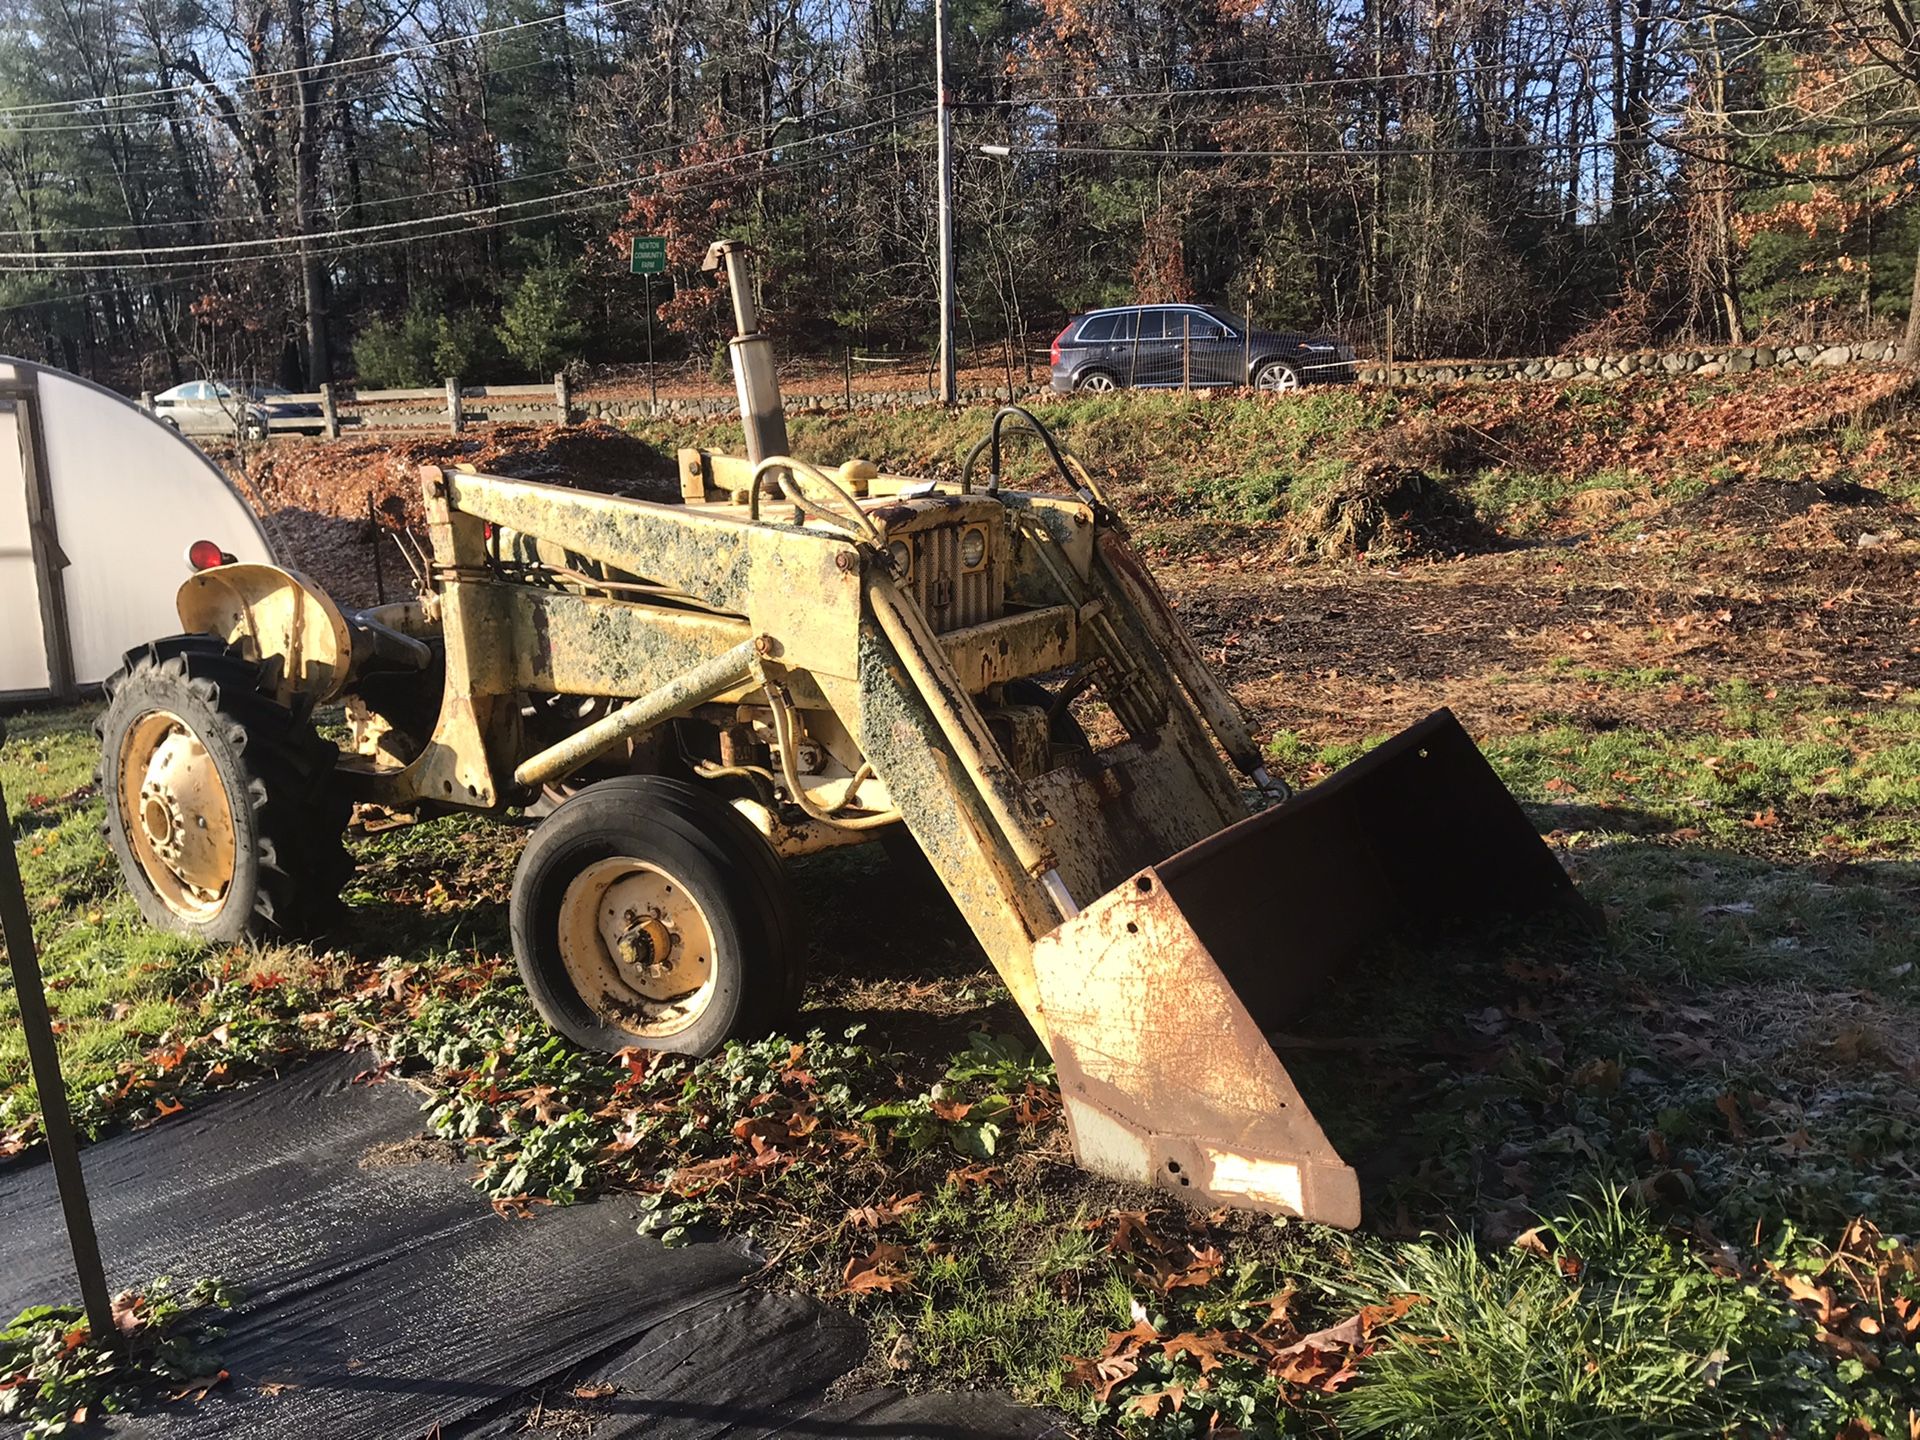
(949, 377)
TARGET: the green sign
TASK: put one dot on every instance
(649, 254)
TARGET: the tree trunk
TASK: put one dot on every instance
(1910, 347)
(306, 193)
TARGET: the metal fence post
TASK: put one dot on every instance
(1186, 350)
(456, 416)
(43, 1052)
(329, 410)
(1246, 341)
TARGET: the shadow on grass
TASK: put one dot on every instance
(1738, 1047)
(888, 950)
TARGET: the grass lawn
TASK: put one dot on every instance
(1656, 1181)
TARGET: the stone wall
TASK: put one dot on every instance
(726, 407)
(1721, 360)
(1731, 360)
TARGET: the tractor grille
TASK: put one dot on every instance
(951, 596)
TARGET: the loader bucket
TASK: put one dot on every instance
(1159, 995)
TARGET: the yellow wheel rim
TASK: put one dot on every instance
(174, 810)
(637, 946)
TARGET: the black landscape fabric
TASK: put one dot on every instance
(383, 1297)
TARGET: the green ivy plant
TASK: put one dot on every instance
(55, 1374)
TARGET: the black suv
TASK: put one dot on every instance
(1189, 345)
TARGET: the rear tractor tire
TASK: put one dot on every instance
(221, 804)
(648, 912)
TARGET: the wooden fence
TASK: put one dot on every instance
(344, 408)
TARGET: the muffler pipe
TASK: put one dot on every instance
(756, 380)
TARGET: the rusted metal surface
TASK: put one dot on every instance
(457, 764)
(564, 644)
(962, 727)
(674, 697)
(175, 814)
(1416, 835)
(267, 612)
(1165, 1078)
(812, 662)
(1029, 642)
(1175, 645)
(785, 578)
(1043, 527)
(948, 817)
(1129, 807)
(1158, 995)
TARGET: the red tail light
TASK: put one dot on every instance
(204, 555)
(1058, 338)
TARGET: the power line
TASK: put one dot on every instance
(324, 237)
(326, 249)
(384, 57)
(206, 269)
(254, 108)
(628, 157)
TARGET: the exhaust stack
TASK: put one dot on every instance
(755, 379)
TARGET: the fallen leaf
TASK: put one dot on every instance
(984, 1177)
(197, 1388)
(884, 1270)
(1209, 1351)
(1129, 1232)
(1151, 1403)
(1102, 1374)
(593, 1392)
(1730, 1109)
(887, 1212)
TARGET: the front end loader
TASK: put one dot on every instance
(795, 657)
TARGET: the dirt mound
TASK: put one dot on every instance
(1823, 511)
(338, 477)
(1430, 444)
(1387, 511)
(333, 506)
(1764, 502)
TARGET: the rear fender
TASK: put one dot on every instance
(269, 614)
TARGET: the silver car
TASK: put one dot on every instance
(213, 407)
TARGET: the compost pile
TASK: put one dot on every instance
(340, 511)
(1387, 511)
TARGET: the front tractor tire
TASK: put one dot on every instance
(648, 912)
(221, 805)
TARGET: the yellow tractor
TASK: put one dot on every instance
(798, 657)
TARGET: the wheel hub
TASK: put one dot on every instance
(637, 946)
(178, 822)
(644, 946)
